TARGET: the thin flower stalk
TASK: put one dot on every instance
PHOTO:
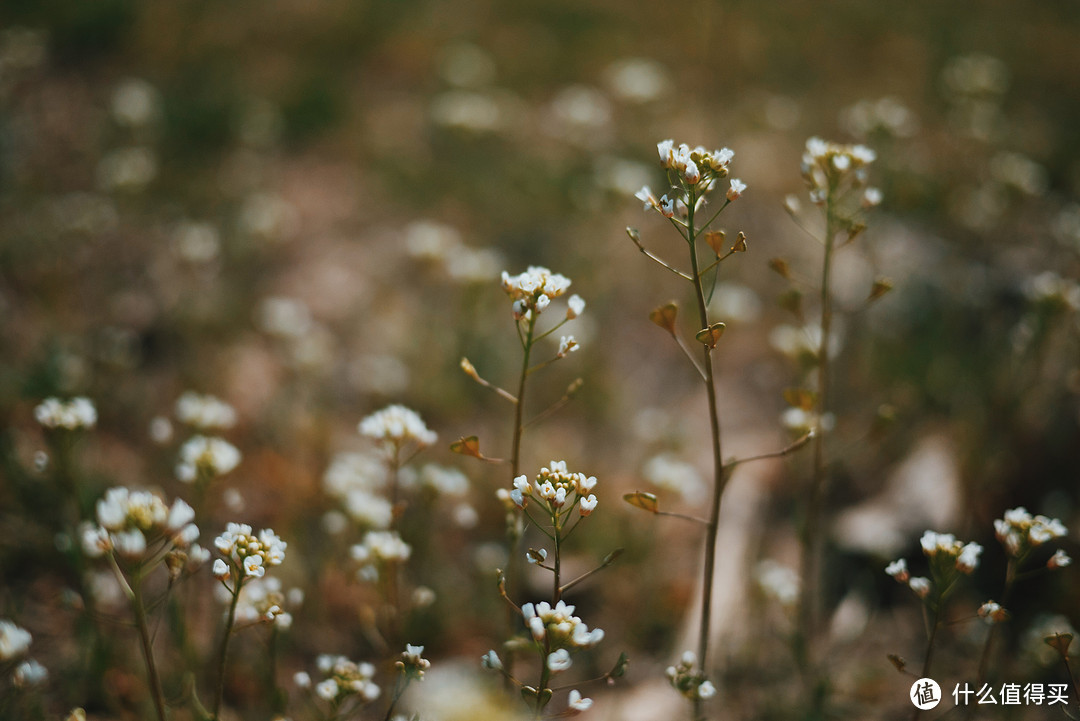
(692, 174)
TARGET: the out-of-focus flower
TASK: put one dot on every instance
(397, 425)
(14, 641)
(668, 472)
(638, 80)
(777, 581)
(206, 457)
(77, 413)
(204, 412)
(130, 169)
(136, 103)
(29, 673)
(378, 549)
(992, 612)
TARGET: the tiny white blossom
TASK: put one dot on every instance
(920, 585)
(706, 690)
(1060, 559)
(578, 704)
(737, 188)
(575, 306)
(559, 660)
(302, 679)
(898, 569)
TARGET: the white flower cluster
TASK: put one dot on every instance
(947, 556)
(130, 522)
(533, 291)
(691, 170)
(205, 412)
(245, 554)
(397, 425)
(689, 682)
(1019, 531)
(343, 679)
(412, 663)
(558, 626)
(938, 545)
(69, 415)
(14, 641)
(262, 600)
(831, 168)
(207, 457)
(378, 549)
(557, 487)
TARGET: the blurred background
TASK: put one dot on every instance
(304, 208)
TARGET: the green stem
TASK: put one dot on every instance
(929, 656)
(513, 566)
(223, 649)
(810, 561)
(147, 647)
(718, 467)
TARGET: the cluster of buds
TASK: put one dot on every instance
(205, 412)
(688, 681)
(557, 487)
(343, 680)
(691, 171)
(246, 555)
(203, 458)
(397, 425)
(558, 626)
(947, 557)
(533, 291)
(377, 550)
(963, 556)
(1019, 532)
(412, 663)
(139, 526)
(77, 413)
(832, 171)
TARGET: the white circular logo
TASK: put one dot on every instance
(925, 693)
